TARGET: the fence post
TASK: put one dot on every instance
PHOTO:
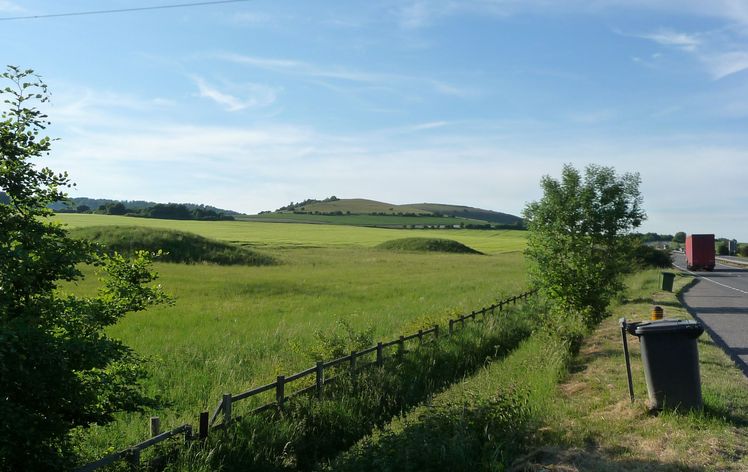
(451, 326)
(320, 378)
(401, 346)
(501, 306)
(202, 431)
(155, 426)
(353, 368)
(420, 336)
(226, 408)
(462, 322)
(436, 331)
(380, 354)
(280, 391)
(187, 433)
(133, 458)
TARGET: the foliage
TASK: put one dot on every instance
(680, 237)
(648, 256)
(743, 251)
(578, 246)
(58, 369)
(427, 245)
(722, 249)
(339, 341)
(177, 246)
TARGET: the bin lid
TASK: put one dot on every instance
(687, 327)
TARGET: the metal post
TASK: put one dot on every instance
(622, 323)
(420, 336)
(401, 346)
(380, 354)
(451, 327)
(436, 331)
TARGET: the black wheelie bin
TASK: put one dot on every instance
(671, 362)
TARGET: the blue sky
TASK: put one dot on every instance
(254, 104)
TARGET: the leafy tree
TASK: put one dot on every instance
(58, 368)
(83, 208)
(722, 249)
(579, 243)
(680, 237)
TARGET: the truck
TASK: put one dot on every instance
(700, 252)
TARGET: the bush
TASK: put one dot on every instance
(647, 256)
(723, 250)
(743, 251)
(177, 246)
(427, 245)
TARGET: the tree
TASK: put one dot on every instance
(58, 368)
(680, 237)
(579, 244)
(83, 209)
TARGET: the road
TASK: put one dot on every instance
(719, 300)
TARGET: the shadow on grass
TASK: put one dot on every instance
(551, 458)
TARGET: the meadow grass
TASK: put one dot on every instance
(285, 235)
(235, 327)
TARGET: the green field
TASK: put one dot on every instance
(279, 235)
(361, 220)
(234, 327)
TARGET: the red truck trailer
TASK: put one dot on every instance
(700, 252)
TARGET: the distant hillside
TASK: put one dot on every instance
(360, 206)
(469, 212)
(363, 212)
(95, 203)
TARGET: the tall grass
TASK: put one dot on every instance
(310, 432)
(235, 327)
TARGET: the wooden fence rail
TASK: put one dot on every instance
(224, 409)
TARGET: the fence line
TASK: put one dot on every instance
(224, 409)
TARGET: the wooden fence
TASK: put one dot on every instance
(356, 361)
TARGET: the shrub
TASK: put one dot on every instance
(647, 256)
(427, 245)
(177, 246)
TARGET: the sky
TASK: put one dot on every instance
(251, 105)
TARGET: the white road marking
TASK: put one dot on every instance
(710, 280)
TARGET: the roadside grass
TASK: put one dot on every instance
(235, 327)
(481, 423)
(593, 426)
(290, 236)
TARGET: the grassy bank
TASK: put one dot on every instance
(481, 423)
(595, 427)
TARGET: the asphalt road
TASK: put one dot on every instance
(719, 300)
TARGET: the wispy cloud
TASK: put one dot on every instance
(340, 73)
(256, 95)
(666, 37)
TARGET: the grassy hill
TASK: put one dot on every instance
(364, 212)
(360, 206)
(468, 212)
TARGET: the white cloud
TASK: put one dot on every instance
(726, 63)
(310, 70)
(665, 37)
(255, 95)
(10, 7)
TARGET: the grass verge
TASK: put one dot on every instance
(594, 426)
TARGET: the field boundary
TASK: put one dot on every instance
(356, 361)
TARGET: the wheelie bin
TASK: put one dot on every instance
(667, 281)
(671, 362)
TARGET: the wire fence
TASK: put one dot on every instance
(283, 386)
